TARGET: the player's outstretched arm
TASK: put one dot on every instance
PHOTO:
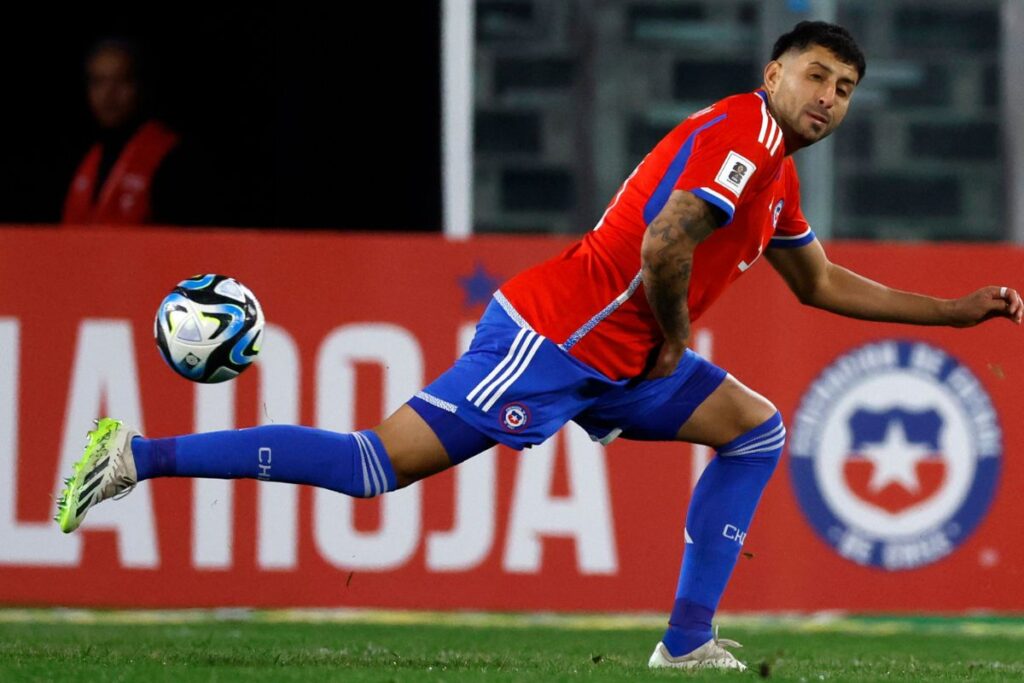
(818, 282)
(667, 257)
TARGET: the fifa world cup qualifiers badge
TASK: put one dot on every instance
(209, 328)
(895, 454)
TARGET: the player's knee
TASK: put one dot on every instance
(411, 464)
(412, 446)
(741, 407)
(776, 428)
(763, 441)
(410, 468)
(757, 412)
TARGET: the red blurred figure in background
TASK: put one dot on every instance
(114, 183)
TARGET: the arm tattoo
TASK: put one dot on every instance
(668, 250)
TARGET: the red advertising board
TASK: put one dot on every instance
(900, 479)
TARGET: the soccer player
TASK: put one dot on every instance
(599, 334)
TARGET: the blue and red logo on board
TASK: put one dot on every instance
(895, 453)
(514, 416)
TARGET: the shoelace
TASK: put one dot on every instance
(724, 642)
(122, 483)
(130, 486)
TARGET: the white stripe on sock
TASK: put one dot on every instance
(362, 460)
(378, 485)
(375, 460)
(756, 445)
(764, 438)
(764, 448)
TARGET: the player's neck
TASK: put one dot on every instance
(793, 143)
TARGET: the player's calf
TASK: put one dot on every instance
(404, 449)
(717, 524)
(355, 463)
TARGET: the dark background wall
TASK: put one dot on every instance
(292, 116)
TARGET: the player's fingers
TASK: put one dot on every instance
(1004, 297)
(1014, 306)
(1010, 296)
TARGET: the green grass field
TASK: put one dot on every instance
(48, 645)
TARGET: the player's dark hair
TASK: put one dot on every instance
(830, 36)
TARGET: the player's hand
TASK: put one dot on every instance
(668, 359)
(986, 303)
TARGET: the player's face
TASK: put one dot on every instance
(810, 93)
(112, 90)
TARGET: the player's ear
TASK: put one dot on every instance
(772, 75)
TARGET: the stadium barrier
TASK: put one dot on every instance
(899, 489)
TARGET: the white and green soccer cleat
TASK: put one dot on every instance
(710, 655)
(105, 470)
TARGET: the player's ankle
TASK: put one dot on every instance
(153, 457)
(689, 627)
(680, 641)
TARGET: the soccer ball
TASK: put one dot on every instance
(208, 328)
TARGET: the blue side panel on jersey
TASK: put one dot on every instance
(716, 201)
(657, 201)
(777, 243)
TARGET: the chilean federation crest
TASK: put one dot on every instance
(514, 416)
(894, 454)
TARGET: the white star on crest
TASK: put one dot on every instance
(895, 459)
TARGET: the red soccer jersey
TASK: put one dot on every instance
(590, 298)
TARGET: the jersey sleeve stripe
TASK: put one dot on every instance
(719, 200)
(764, 123)
(661, 193)
(792, 241)
(769, 124)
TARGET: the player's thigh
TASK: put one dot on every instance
(414, 449)
(728, 412)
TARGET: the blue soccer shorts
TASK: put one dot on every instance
(518, 388)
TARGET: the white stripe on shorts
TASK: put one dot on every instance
(437, 402)
(522, 367)
(514, 369)
(500, 366)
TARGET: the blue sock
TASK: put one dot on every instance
(721, 509)
(355, 463)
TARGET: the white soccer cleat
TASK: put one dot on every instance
(106, 469)
(710, 655)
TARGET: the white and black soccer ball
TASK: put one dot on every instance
(209, 328)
